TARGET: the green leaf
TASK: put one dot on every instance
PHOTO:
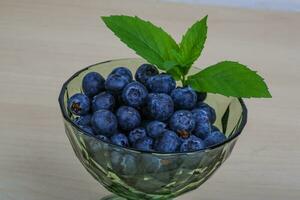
(147, 40)
(192, 43)
(230, 79)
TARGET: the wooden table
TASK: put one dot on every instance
(42, 43)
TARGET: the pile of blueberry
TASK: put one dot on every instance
(149, 113)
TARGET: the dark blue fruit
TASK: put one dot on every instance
(88, 129)
(214, 128)
(104, 122)
(83, 120)
(214, 138)
(123, 164)
(104, 100)
(103, 138)
(128, 118)
(167, 143)
(134, 94)
(160, 106)
(93, 83)
(115, 83)
(182, 122)
(136, 134)
(144, 144)
(161, 83)
(184, 98)
(201, 96)
(79, 104)
(211, 113)
(155, 129)
(150, 163)
(193, 143)
(123, 71)
(119, 139)
(203, 125)
(144, 72)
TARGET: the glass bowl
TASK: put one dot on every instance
(132, 174)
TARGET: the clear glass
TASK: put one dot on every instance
(132, 174)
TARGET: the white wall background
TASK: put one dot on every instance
(284, 5)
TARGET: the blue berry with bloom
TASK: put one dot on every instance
(104, 100)
(155, 129)
(161, 83)
(136, 134)
(192, 143)
(115, 83)
(123, 71)
(167, 143)
(160, 106)
(104, 122)
(135, 94)
(79, 104)
(88, 129)
(211, 113)
(128, 118)
(144, 72)
(203, 125)
(120, 139)
(184, 98)
(182, 122)
(214, 138)
(93, 83)
(84, 120)
(144, 144)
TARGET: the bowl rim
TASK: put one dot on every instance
(67, 118)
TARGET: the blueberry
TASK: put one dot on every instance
(214, 128)
(92, 84)
(123, 71)
(79, 104)
(115, 83)
(104, 100)
(214, 138)
(155, 128)
(134, 94)
(123, 164)
(144, 72)
(168, 143)
(150, 163)
(89, 130)
(182, 122)
(211, 113)
(103, 138)
(104, 122)
(193, 143)
(136, 134)
(160, 106)
(144, 144)
(201, 96)
(119, 139)
(83, 120)
(161, 83)
(184, 98)
(128, 118)
(203, 125)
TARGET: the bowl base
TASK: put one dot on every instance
(112, 197)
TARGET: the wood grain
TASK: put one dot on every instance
(42, 43)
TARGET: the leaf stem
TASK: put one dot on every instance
(183, 80)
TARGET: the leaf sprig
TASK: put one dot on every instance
(159, 48)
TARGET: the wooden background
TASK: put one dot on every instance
(42, 43)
